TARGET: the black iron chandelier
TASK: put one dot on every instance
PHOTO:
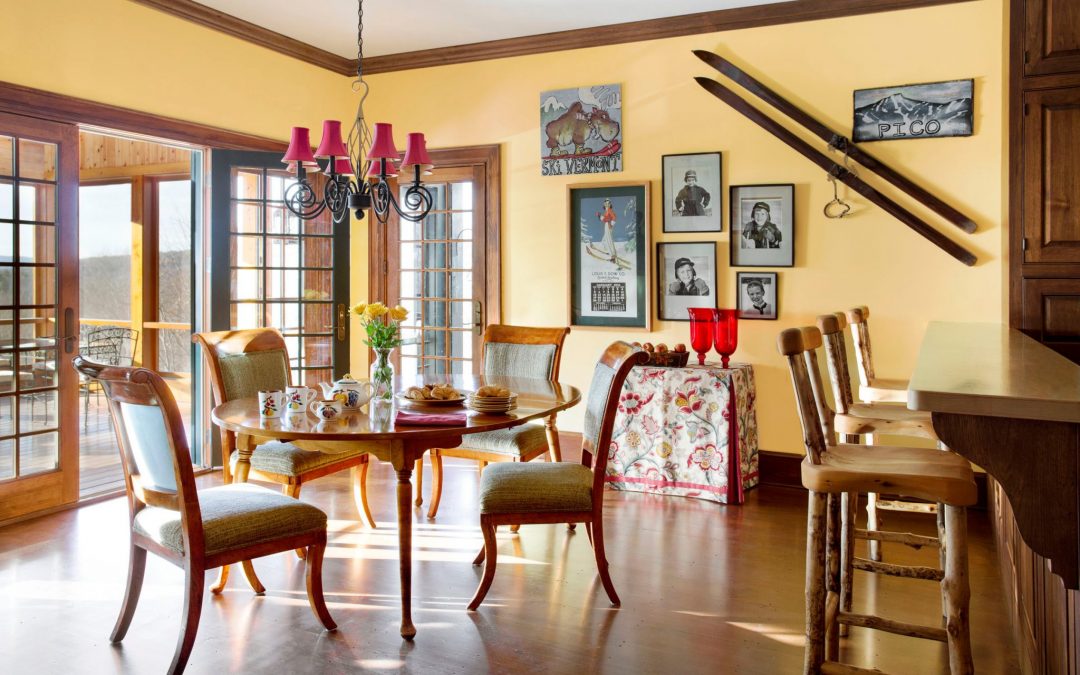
(375, 156)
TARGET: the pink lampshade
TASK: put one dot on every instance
(343, 167)
(310, 167)
(382, 145)
(331, 145)
(299, 147)
(373, 172)
(416, 154)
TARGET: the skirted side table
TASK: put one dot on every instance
(689, 432)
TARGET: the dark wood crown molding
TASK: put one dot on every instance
(230, 25)
(637, 31)
(46, 105)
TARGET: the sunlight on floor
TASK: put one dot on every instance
(782, 635)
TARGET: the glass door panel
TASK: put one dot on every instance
(38, 166)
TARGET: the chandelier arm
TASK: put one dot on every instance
(336, 195)
(302, 201)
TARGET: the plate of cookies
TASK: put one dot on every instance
(431, 394)
(492, 400)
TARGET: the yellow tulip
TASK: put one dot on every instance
(399, 313)
(375, 310)
(358, 309)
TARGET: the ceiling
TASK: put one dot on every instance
(397, 26)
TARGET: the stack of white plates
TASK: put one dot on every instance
(492, 405)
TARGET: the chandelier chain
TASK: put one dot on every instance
(360, 39)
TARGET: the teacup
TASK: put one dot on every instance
(328, 409)
(297, 399)
(271, 403)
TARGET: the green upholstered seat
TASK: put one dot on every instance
(513, 487)
(516, 360)
(522, 441)
(245, 375)
(288, 460)
(234, 516)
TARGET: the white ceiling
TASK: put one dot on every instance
(396, 26)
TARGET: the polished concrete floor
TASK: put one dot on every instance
(705, 589)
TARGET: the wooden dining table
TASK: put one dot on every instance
(373, 430)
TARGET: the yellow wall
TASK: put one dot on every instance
(868, 258)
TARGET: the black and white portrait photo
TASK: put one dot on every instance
(686, 277)
(762, 225)
(932, 110)
(692, 199)
(757, 295)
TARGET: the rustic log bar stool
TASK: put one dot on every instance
(867, 419)
(872, 389)
(832, 471)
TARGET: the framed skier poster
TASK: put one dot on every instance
(609, 255)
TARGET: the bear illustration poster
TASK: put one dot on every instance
(581, 130)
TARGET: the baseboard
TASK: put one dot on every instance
(782, 469)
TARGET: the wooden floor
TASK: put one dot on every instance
(705, 589)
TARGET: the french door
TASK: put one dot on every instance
(445, 268)
(39, 306)
(269, 268)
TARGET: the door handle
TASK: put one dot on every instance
(69, 330)
(477, 317)
(339, 326)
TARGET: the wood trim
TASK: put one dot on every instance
(636, 31)
(249, 32)
(639, 31)
(178, 169)
(40, 104)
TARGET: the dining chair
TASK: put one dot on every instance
(509, 351)
(832, 472)
(560, 492)
(857, 419)
(244, 362)
(196, 530)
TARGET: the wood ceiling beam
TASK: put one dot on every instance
(636, 31)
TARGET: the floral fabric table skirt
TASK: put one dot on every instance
(690, 432)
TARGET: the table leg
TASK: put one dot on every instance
(244, 448)
(404, 517)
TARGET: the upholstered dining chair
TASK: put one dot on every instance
(195, 530)
(833, 472)
(510, 351)
(560, 492)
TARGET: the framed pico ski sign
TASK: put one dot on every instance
(581, 130)
(609, 255)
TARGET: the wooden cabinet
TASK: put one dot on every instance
(1052, 314)
(1051, 203)
(1051, 37)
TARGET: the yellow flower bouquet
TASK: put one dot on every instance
(382, 325)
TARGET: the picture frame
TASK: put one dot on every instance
(747, 296)
(762, 225)
(686, 277)
(693, 206)
(609, 255)
(910, 111)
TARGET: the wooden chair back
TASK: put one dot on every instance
(860, 335)
(832, 331)
(244, 362)
(154, 451)
(522, 351)
(600, 407)
(794, 344)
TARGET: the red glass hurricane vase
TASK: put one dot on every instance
(702, 323)
(727, 334)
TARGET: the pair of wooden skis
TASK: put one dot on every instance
(842, 144)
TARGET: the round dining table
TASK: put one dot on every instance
(374, 429)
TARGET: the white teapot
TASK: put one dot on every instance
(350, 392)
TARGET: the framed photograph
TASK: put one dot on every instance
(762, 225)
(906, 111)
(609, 255)
(692, 196)
(758, 295)
(685, 277)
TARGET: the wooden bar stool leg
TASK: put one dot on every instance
(848, 503)
(814, 655)
(873, 518)
(832, 579)
(957, 591)
(942, 547)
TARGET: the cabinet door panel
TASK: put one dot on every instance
(1052, 176)
(1052, 314)
(1052, 42)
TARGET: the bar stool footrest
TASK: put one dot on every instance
(833, 668)
(908, 507)
(915, 541)
(906, 571)
(895, 627)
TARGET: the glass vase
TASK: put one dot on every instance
(702, 320)
(727, 334)
(382, 375)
